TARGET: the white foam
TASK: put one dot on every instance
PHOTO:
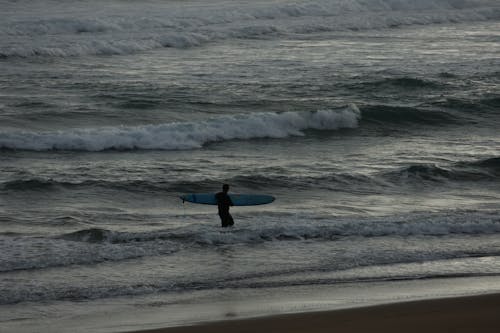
(187, 135)
(30, 253)
(70, 29)
(26, 252)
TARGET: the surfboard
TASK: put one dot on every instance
(237, 199)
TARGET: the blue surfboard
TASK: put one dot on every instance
(237, 199)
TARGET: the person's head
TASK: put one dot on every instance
(225, 188)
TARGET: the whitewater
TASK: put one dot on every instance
(115, 31)
(374, 123)
(184, 135)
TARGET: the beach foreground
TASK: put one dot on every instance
(460, 314)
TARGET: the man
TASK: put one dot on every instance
(223, 203)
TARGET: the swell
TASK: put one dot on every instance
(486, 104)
(409, 83)
(386, 114)
(279, 178)
(41, 184)
(490, 163)
(483, 170)
(253, 181)
(168, 25)
(469, 171)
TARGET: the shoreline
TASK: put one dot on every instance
(478, 313)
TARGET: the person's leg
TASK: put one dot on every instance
(223, 220)
(230, 221)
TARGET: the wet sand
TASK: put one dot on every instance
(461, 314)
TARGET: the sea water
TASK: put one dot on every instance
(373, 123)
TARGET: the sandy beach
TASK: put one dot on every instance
(461, 314)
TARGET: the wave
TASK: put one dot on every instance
(196, 134)
(96, 245)
(166, 24)
(333, 230)
(89, 235)
(243, 281)
(41, 184)
(29, 184)
(142, 186)
(492, 164)
(487, 170)
(488, 104)
(401, 82)
(85, 247)
(428, 172)
(165, 16)
(387, 114)
(279, 178)
(187, 135)
(493, 102)
(256, 181)
(482, 170)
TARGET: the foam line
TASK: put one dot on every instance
(51, 31)
(184, 135)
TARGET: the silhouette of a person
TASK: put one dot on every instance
(223, 203)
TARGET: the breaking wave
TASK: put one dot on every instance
(196, 134)
(187, 135)
(425, 226)
(169, 25)
(96, 245)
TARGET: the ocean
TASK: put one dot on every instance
(373, 123)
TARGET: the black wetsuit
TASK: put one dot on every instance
(224, 202)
